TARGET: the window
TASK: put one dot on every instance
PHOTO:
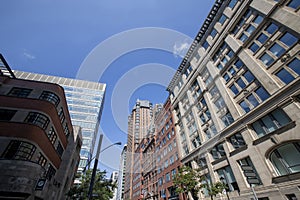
(237, 140)
(201, 161)
(270, 122)
(294, 4)
(213, 33)
(286, 158)
(206, 77)
(51, 97)
(218, 151)
(196, 141)
(19, 150)
(52, 135)
(278, 48)
(254, 99)
(168, 177)
(66, 129)
(205, 45)
(227, 119)
(19, 92)
(50, 172)
(61, 115)
(173, 172)
(59, 149)
(222, 19)
(37, 119)
(249, 170)
(247, 25)
(291, 196)
(289, 73)
(227, 177)
(232, 3)
(41, 160)
(6, 115)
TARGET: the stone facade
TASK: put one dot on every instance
(236, 99)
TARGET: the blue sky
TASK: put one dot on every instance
(56, 36)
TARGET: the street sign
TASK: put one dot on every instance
(40, 184)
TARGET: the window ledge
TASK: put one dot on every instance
(285, 178)
(236, 151)
(276, 132)
(219, 160)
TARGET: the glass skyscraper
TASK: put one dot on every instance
(85, 103)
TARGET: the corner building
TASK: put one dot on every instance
(236, 99)
(39, 147)
(85, 103)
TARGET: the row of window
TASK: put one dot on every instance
(21, 150)
(25, 92)
(37, 119)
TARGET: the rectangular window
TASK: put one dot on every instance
(52, 135)
(6, 115)
(237, 140)
(227, 119)
(50, 172)
(41, 160)
(59, 149)
(294, 4)
(38, 119)
(213, 33)
(226, 176)
(232, 3)
(218, 151)
(249, 171)
(222, 19)
(270, 122)
(19, 92)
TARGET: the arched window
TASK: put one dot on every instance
(286, 158)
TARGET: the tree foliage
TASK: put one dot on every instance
(190, 180)
(102, 190)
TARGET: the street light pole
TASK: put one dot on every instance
(90, 193)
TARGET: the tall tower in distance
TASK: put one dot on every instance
(85, 103)
(138, 125)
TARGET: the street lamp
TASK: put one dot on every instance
(90, 193)
(117, 143)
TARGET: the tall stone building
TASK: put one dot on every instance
(39, 147)
(236, 99)
(85, 103)
(138, 125)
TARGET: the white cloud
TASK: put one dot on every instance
(28, 55)
(180, 48)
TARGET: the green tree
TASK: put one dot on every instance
(102, 190)
(187, 180)
(190, 180)
(215, 188)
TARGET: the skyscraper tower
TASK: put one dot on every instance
(138, 124)
(85, 103)
(121, 179)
